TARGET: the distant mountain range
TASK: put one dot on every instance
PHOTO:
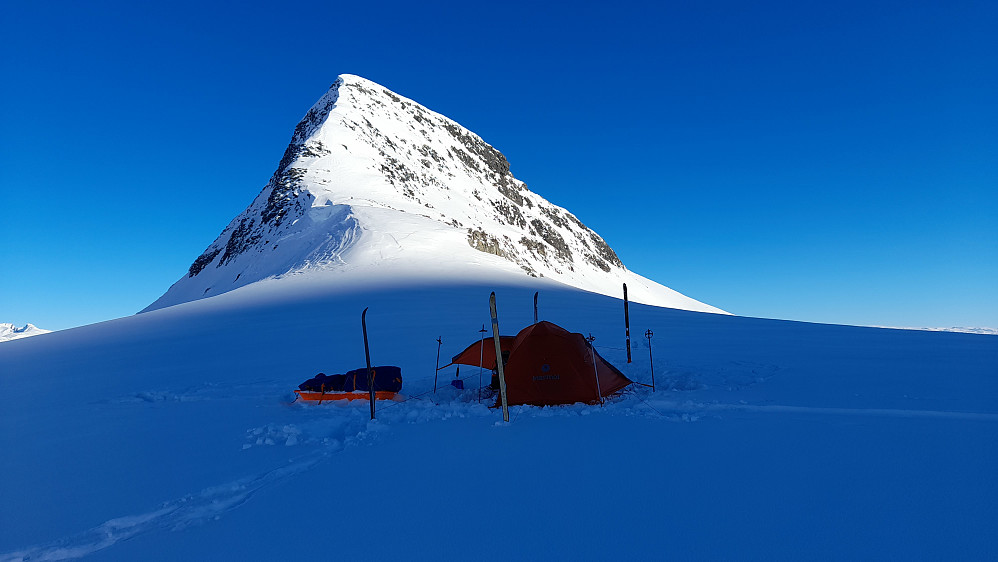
(375, 186)
(985, 331)
(9, 331)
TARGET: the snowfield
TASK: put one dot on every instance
(171, 435)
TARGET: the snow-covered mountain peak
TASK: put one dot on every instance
(376, 184)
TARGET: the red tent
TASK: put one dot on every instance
(549, 365)
(484, 351)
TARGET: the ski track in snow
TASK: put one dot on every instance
(175, 515)
(336, 426)
(347, 426)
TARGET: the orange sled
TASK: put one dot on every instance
(321, 397)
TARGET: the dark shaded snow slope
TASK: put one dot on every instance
(168, 435)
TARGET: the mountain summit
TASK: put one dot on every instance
(374, 184)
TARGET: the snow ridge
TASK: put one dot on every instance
(371, 177)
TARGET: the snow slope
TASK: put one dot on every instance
(9, 331)
(168, 435)
(372, 182)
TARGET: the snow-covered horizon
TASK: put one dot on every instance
(373, 185)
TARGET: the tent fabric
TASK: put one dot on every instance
(484, 350)
(549, 365)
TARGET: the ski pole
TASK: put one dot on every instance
(627, 325)
(651, 363)
(481, 359)
(437, 369)
(367, 355)
(592, 354)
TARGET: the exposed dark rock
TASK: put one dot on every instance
(493, 159)
(242, 239)
(285, 183)
(467, 160)
(512, 214)
(285, 197)
(598, 244)
(202, 261)
(597, 262)
(427, 150)
(399, 174)
(534, 246)
(576, 220)
(554, 216)
(359, 88)
(562, 251)
(508, 189)
(315, 117)
(393, 97)
(604, 250)
(314, 149)
(485, 242)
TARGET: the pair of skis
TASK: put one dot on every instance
(499, 361)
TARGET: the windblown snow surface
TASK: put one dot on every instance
(171, 435)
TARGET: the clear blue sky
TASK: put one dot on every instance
(830, 162)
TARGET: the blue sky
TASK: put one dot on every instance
(829, 163)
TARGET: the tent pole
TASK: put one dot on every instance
(499, 365)
(437, 368)
(592, 354)
(481, 359)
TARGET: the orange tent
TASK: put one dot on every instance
(484, 351)
(549, 365)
